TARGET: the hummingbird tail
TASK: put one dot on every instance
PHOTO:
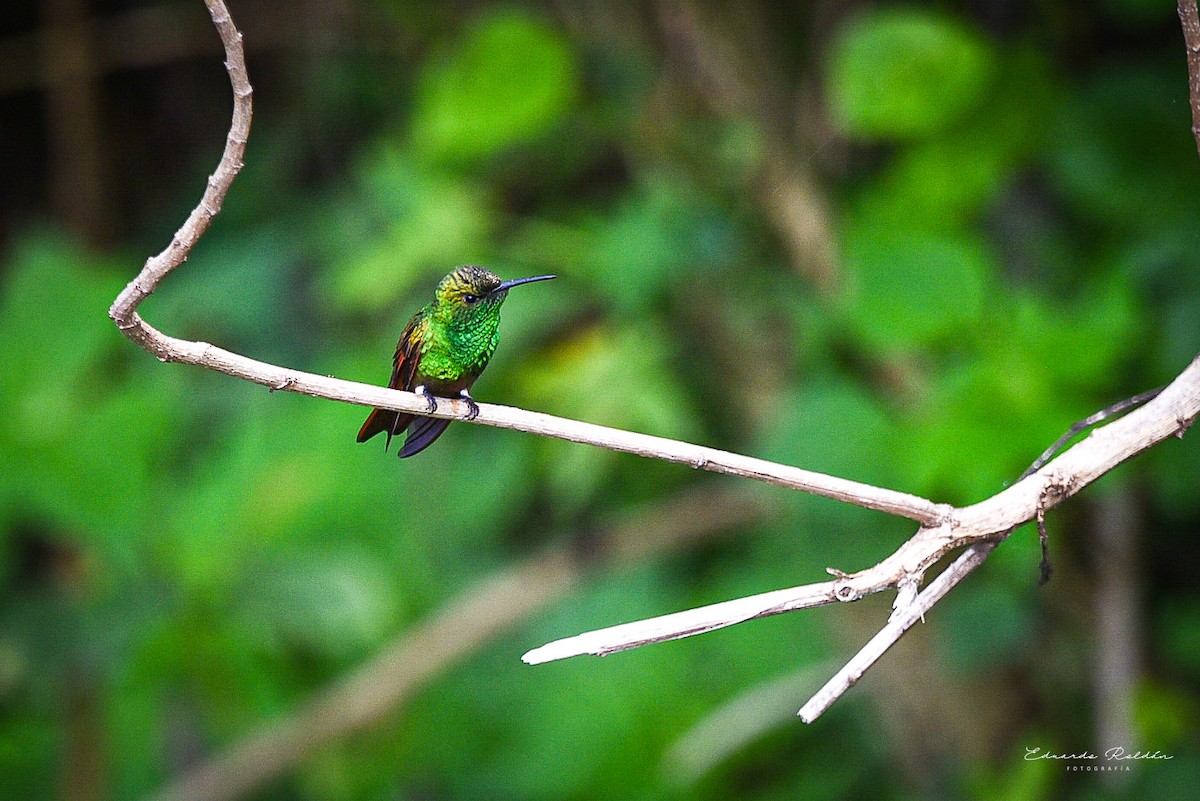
(384, 420)
(422, 434)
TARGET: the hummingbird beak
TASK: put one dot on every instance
(507, 285)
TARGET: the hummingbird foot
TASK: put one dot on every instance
(430, 401)
(472, 406)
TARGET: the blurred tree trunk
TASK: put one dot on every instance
(73, 120)
(83, 771)
(1117, 602)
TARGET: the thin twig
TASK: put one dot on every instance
(1088, 422)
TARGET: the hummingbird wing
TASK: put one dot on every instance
(404, 370)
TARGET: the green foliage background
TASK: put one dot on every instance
(1011, 198)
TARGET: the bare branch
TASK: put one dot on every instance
(202, 354)
(1168, 412)
(980, 526)
(277, 378)
(124, 309)
(1189, 19)
(944, 529)
(1173, 416)
(902, 620)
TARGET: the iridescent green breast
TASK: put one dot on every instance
(459, 347)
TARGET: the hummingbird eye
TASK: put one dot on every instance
(470, 299)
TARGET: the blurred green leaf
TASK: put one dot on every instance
(336, 604)
(1076, 341)
(406, 223)
(662, 236)
(984, 624)
(1165, 715)
(615, 377)
(901, 73)
(509, 79)
(70, 416)
(54, 301)
(833, 427)
(29, 754)
(1037, 365)
(1117, 147)
(1017, 778)
(943, 182)
(910, 288)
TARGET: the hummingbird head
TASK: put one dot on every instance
(472, 291)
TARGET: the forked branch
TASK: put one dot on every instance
(944, 529)
(981, 527)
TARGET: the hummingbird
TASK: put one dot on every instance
(443, 349)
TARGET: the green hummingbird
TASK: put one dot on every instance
(443, 349)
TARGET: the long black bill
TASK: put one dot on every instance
(507, 285)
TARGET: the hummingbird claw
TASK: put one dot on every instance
(430, 401)
(472, 406)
